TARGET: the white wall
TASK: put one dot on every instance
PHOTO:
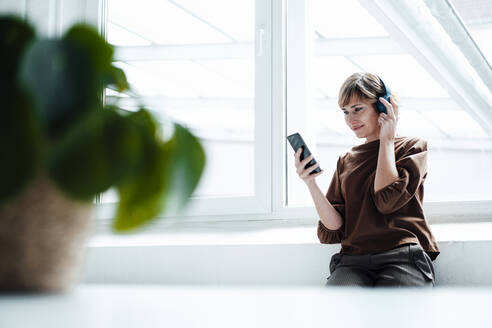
(460, 263)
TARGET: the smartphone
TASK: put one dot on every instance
(296, 142)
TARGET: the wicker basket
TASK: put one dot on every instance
(42, 239)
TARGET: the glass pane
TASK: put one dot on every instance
(477, 16)
(402, 71)
(163, 22)
(120, 36)
(456, 123)
(204, 78)
(459, 174)
(482, 36)
(456, 139)
(329, 73)
(208, 86)
(233, 18)
(355, 22)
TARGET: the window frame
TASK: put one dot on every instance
(232, 207)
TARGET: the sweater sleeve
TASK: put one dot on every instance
(335, 197)
(412, 171)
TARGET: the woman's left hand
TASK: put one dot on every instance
(387, 122)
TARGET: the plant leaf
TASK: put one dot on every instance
(101, 151)
(140, 200)
(171, 174)
(95, 47)
(20, 143)
(140, 195)
(116, 77)
(100, 53)
(15, 35)
(187, 165)
(61, 81)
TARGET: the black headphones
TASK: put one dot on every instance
(379, 105)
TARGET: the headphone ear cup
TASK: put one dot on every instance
(380, 107)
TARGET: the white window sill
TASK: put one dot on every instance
(243, 235)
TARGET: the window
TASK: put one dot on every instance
(243, 75)
(204, 65)
(338, 40)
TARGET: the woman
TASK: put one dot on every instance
(373, 206)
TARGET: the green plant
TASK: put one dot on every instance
(54, 122)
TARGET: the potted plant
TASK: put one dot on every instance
(60, 146)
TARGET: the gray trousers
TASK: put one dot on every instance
(404, 266)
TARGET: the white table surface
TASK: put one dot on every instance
(249, 306)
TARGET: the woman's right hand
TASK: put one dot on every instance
(304, 173)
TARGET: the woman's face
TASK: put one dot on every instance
(362, 118)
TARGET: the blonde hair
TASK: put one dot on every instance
(363, 86)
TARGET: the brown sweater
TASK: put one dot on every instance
(375, 222)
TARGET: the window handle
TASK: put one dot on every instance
(261, 40)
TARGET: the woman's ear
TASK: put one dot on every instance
(375, 107)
